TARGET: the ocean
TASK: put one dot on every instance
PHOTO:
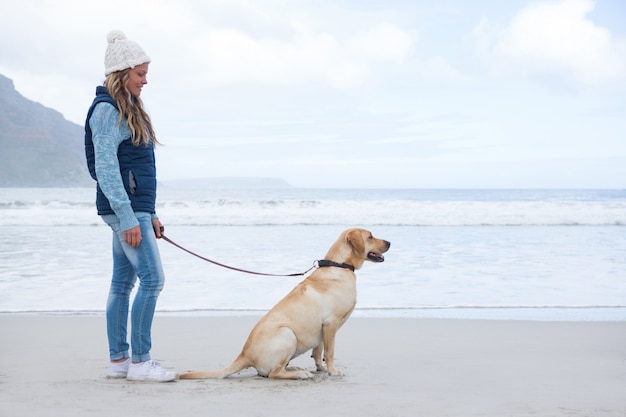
(467, 254)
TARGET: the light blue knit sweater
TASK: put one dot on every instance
(107, 135)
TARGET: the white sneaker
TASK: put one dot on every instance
(149, 371)
(118, 370)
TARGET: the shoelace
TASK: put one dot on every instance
(157, 366)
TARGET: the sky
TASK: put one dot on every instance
(347, 93)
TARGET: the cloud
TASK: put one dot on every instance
(232, 56)
(439, 69)
(556, 39)
(393, 83)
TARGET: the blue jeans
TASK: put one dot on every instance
(143, 262)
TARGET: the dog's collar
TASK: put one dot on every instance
(324, 262)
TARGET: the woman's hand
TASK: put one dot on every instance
(158, 228)
(133, 236)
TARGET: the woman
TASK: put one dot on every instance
(119, 142)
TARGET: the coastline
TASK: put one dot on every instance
(514, 313)
(54, 365)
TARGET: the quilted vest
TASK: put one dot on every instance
(137, 166)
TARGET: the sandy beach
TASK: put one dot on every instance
(56, 366)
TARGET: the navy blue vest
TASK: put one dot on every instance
(137, 166)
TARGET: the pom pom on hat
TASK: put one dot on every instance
(122, 53)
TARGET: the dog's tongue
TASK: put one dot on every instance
(376, 257)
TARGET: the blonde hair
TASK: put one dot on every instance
(130, 107)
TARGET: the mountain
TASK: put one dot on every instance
(39, 147)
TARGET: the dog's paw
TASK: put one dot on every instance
(305, 375)
(335, 372)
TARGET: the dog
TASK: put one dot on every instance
(309, 316)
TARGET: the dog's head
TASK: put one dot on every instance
(356, 246)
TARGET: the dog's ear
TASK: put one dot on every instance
(355, 239)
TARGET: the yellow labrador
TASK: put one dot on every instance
(309, 316)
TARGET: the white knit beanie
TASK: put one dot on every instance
(122, 53)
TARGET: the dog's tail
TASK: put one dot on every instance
(238, 364)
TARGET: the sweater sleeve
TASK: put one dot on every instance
(107, 136)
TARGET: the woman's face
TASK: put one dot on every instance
(137, 79)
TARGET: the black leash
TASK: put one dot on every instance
(316, 264)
